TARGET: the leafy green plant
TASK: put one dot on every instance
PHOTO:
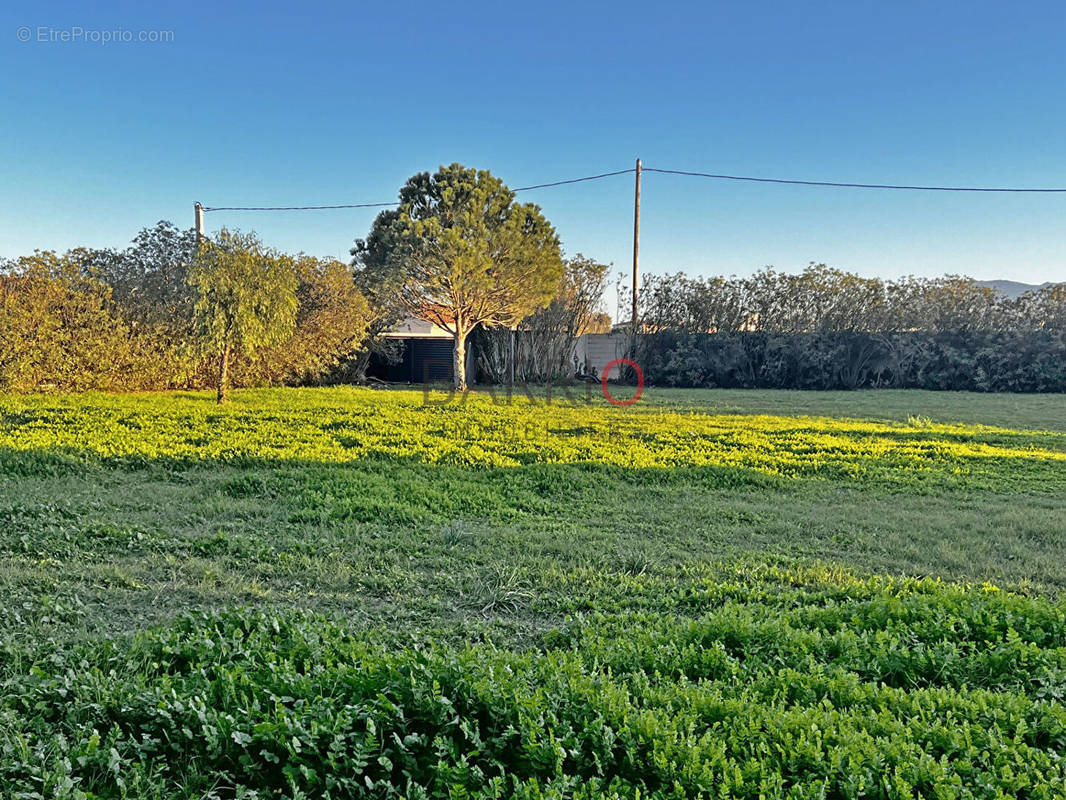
(633, 562)
(692, 598)
(457, 533)
(502, 589)
(918, 688)
(359, 425)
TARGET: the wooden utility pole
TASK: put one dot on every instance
(198, 215)
(636, 245)
(510, 379)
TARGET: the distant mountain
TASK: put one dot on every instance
(1012, 288)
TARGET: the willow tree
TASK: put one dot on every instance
(245, 298)
(459, 252)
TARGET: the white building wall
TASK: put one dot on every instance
(417, 329)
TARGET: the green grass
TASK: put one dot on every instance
(720, 592)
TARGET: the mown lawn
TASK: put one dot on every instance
(344, 592)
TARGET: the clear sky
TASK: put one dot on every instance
(339, 102)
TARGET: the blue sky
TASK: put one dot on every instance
(335, 102)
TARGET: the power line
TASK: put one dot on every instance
(576, 180)
(837, 184)
(296, 208)
(712, 175)
(384, 205)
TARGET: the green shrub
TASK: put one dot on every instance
(865, 689)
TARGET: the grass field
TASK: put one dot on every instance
(347, 592)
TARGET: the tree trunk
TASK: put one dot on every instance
(459, 359)
(223, 373)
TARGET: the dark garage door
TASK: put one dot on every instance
(422, 359)
(431, 359)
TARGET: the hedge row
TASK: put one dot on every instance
(979, 361)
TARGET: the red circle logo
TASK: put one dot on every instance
(640, 382)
